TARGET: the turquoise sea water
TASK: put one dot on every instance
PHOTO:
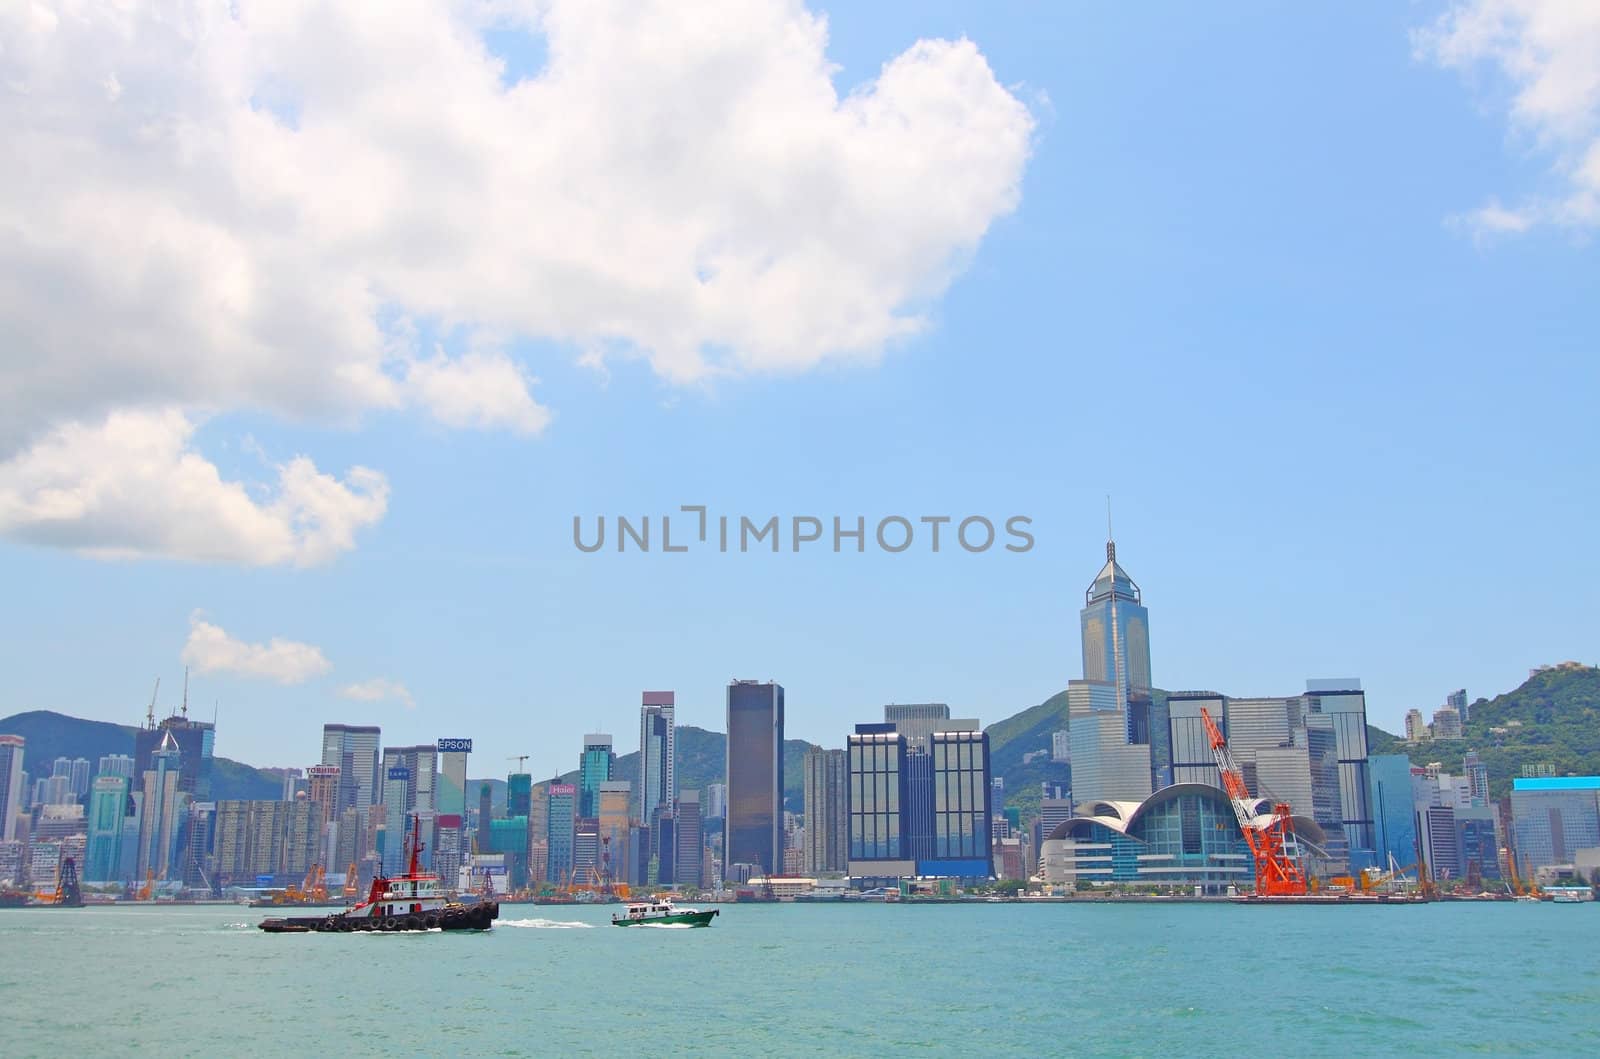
(988, 979)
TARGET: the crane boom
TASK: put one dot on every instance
(1272, 845)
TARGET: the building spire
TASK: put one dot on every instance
(1111, 542)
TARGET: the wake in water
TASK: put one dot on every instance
(544, 924)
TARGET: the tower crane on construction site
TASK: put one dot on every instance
(1278, 873)
(521, 760)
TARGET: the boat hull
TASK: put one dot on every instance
(672, 919)
(455, 917)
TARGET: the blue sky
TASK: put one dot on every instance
(1347, 430)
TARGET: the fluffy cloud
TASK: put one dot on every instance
(1547, 50)
(211, 650)
(379, 689)
(131, 486)
(209, 206)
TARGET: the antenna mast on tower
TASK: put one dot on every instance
(185, 692)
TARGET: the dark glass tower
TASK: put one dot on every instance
(753, 833)
(1116, 632)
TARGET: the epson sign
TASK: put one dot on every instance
(455, 746)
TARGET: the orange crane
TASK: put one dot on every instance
(350, 888)
(1278, 874)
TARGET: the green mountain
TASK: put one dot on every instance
(1023, 734)
(51, 735)
(1551, 722)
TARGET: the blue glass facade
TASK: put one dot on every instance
(961, 810)
(879, 803)
(1395, 822)
(1183, 836)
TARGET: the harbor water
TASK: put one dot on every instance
(825, 979)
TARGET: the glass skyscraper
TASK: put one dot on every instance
(878, 802)
(961, 810)
(594, 768)
(658, 779)
(753, 832)
(1116, 631)
(561, 806)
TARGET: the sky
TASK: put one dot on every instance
(320, 330)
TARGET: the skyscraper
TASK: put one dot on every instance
(753, 833)
(962, 813)
(11, 749)
(658, 748)
(1118, 745)
(1116, 631)
(562, 806)
(688, 839)
(827, 847)
(878, 803)
(108, 798)
(594, 768)
(615, 828)
(397, 781)
(1458, 701)
(354, 748)
(162, 808)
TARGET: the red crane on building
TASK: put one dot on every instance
(1272, 845)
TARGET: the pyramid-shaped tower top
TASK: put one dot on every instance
(1112, 580)
(169, 745)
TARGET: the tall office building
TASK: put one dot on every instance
(108, 800)
(827, 840)
(753, 832)
(1116, 631)
(1117, 739)
(916, 721)
(11, 775)
(354, 748)
(163, 806)
(519, 794)
(614, 820)
(594, 768)
(1457, 700)
(559, 829)
(396, 816)
(1392, 800)
(658, 749)
(688, 840)
(452, 794)
(879, 804)
(423, 762)
(962, 811)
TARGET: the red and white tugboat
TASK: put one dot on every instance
(413, 901)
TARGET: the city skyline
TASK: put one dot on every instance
(1305, 362)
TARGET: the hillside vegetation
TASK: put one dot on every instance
(1552, 721)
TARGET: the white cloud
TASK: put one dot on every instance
(379, 689)
(132, 486)
(272, 204)
(211, 650)
(477, 390)
(1549, 52)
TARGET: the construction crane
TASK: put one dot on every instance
(1272, 844)
(521, 760)
(150, 714)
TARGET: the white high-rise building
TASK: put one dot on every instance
(354, 748)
